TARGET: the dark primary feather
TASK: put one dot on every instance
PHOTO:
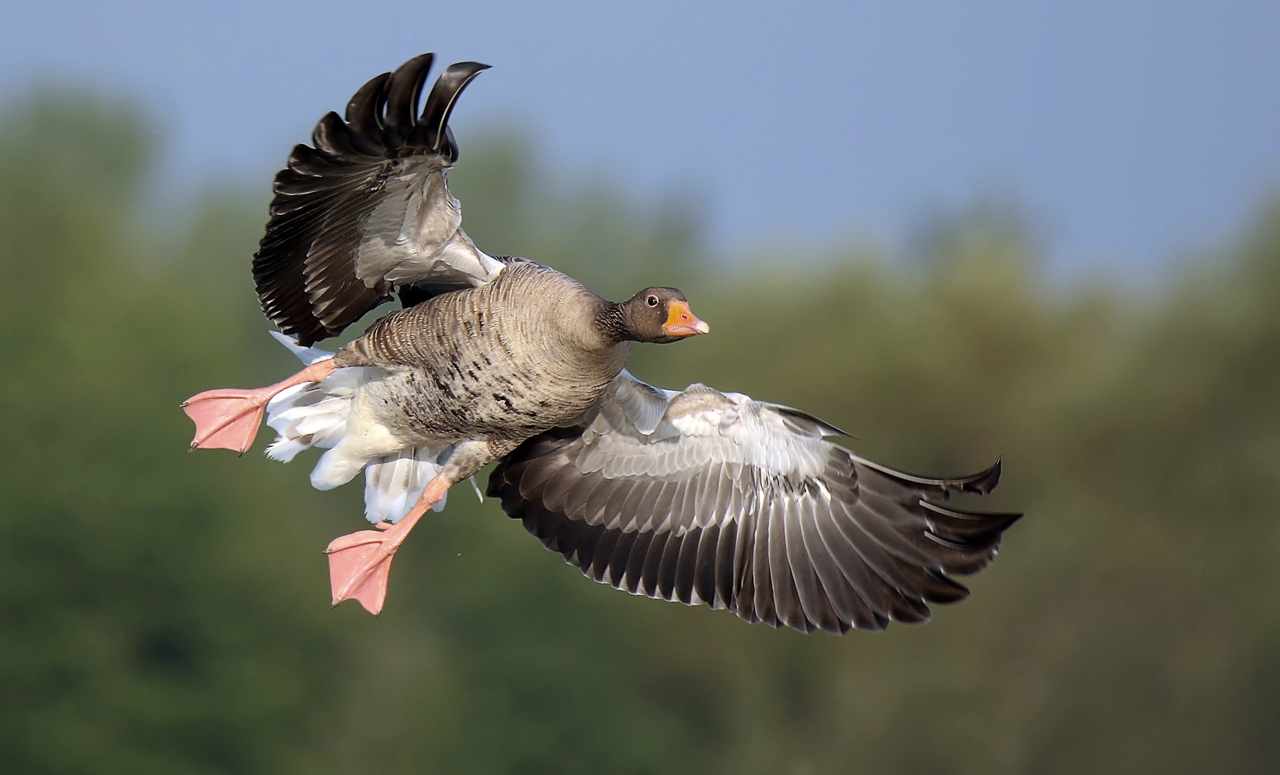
(850, 544)
(321, 218)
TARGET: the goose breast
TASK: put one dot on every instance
(507, 360)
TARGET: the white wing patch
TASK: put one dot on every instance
(696, 427)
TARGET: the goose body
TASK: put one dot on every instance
(483, 363)
(696, 495)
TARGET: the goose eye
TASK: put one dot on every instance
(652, 301)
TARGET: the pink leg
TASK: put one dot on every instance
(229, 419)
(359, 563)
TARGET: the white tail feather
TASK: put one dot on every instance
(317, 415)
(393, 484)
(335, 468)
(313, 415)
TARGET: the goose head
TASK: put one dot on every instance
(659, 315)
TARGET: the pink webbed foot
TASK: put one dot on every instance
(229, 419)
(360, 563)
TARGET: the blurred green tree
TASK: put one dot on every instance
(167, 613)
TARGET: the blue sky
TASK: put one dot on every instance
(1132, 132)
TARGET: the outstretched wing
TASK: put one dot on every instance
(708, 497)
(368, 208)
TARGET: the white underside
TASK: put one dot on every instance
(329, 415)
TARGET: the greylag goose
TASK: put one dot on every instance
(695, 495)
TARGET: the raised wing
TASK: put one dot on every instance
(368, 208)
(713, 498)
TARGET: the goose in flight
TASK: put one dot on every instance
(698, 495)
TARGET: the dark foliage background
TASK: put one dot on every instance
(165, 612)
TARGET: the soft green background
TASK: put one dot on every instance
(165, 612)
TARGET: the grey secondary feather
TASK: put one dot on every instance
(744, 505)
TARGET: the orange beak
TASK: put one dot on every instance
(682, 322)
